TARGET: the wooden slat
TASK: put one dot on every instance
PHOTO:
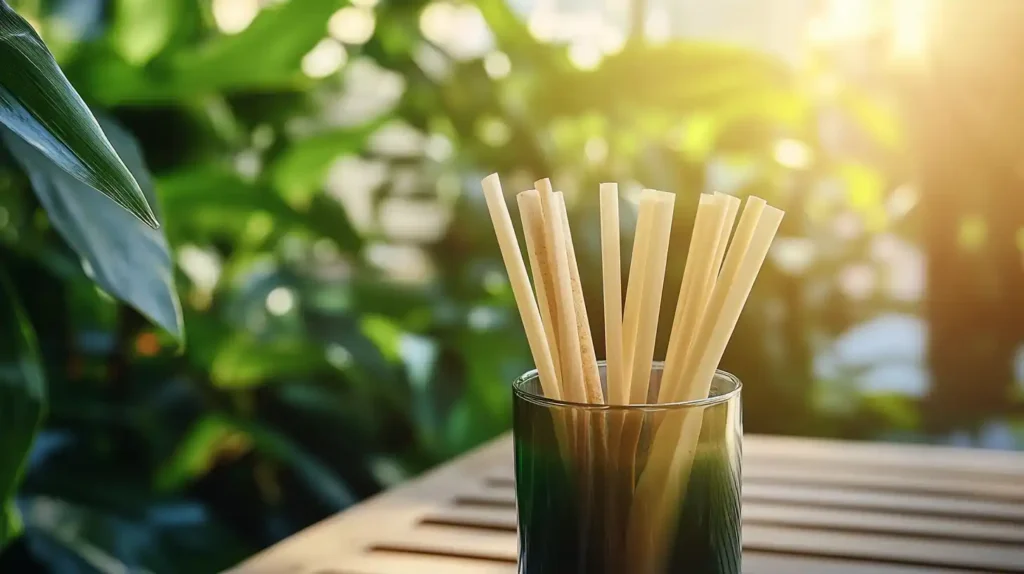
(935, 528)
(814, 506)
(924, 505)
(495, 518)
(762, 563)
(960, 461)
(346, 537)
(917, 482)
(884, 549)
(384, 562)
(494, 545)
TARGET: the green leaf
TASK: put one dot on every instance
(22, 401)
(244, 362)
(10, 523)
(198, 452)
(319, 477)
(878, 122)
(122, 255)
(302, 168)
(865, 186)
(143, 27)
(39, 104)
(216, 194)
(268, 53)
(702, 74)
(278, 446)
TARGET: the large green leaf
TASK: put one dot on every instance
(39, 104)
(122, 255)
(22, 401)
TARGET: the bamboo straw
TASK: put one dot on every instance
(568, 342)
(635, 289)
(656, 259)
(591, 376)
(732, 207)
(520, 281)
(660, 486)
(611, 268)
(710, 220)
(601, 451)
(540, 263)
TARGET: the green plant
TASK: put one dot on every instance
(316, 370)
(53, 136)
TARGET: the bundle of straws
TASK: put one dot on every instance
(721, 266)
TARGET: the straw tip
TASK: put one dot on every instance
(491, 185)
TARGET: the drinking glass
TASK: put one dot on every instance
(628, 489)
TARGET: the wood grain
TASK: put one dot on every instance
(810, 505)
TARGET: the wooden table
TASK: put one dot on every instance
(810, 506)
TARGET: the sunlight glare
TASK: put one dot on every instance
(352, 25)
(280, 301)
(324, 59)
(458, 29)
(910, 25)
(585, 55)
(233, 16)
(596, 150)
(792, 154)
(543, 25)
(497, 65)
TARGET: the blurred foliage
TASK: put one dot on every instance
(341, 333)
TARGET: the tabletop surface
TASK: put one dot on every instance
(826, 507)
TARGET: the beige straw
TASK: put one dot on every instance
(611, 268)
(591, 376)
(703, 243)
(674, 444)
(568, 340)
(520, 281)
(635, 290)
(540, 263)
(653, 283)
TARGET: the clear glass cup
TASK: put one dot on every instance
(633, 489)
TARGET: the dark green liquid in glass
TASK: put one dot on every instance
(572, 516)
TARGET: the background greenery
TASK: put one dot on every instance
(324, 312)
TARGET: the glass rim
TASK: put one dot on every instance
(520, 382)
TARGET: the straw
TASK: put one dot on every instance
(591, 375)
(570, 353)
(619, 394)
(525, 302)
(611, 268)
(732, 207)
(655, 260)
(540, 263)
(716, 283)
(635, 289)
(676, 440)
(704, 242)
